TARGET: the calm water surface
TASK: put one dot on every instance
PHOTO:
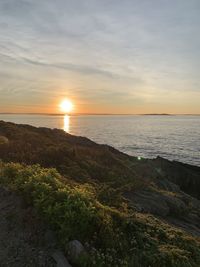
(172, 137)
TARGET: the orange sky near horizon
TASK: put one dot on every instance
(81, 108)
(107, 57)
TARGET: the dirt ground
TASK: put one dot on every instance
(24, 240)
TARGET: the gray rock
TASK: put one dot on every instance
(175, 207)
(149, 201)
(74, 250)
(60, 259)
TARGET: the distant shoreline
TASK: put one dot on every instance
(96, 114)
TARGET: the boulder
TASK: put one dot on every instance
(75, 250)
(60, 259)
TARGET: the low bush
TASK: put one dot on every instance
(112, 237)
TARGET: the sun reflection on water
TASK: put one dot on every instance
(66, 123)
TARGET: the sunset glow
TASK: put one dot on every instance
(109, 57)
(66, 106)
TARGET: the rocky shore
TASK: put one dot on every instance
(168, 191)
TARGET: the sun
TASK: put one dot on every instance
(66, 106)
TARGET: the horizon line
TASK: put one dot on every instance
(78, 114)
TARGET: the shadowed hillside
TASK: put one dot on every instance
(148, 201)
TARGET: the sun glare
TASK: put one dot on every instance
(66, 123)
(66, 106)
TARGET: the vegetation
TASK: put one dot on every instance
(87, 191)
(114, 234)
(77, 157)
(3, 140)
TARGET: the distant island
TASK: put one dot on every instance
(158, 114)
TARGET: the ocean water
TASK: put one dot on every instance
(171, 137)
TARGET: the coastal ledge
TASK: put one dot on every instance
(151, 200)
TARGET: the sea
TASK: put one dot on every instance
(174, 137)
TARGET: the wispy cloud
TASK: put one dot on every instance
(111, 52)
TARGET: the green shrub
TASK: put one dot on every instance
(3, 140)
(113, 238)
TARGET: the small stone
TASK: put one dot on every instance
(60, 259)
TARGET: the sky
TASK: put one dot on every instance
(106, 56)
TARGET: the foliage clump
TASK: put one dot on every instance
(3, 140)
(112, 236)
